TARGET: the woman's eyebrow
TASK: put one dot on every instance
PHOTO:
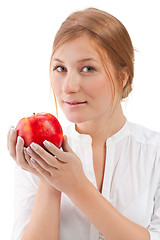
(58, 60)
(87, 59)
(81, 60)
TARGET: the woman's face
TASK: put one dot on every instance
(79, 81)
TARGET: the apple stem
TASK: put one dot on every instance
(34, 114)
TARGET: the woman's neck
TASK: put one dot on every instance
(101, 129)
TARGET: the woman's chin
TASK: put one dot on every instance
(75, 119)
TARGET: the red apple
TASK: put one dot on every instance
(40, 127)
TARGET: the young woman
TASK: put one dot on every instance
(105, 181)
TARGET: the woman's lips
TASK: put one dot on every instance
(75, 104)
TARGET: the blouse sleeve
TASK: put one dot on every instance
(26, 185)
(154, 227)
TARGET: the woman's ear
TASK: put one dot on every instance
(124, 76)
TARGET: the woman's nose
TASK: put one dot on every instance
(71, 83)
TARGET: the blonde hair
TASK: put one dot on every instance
(107, 34)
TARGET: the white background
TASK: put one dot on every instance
(27, 30)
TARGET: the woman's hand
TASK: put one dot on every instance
(19, 153)
(61, 169)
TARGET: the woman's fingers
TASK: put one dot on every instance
(38, 163)
(54, 150)
(27, 157)
(11, 142)
(42, 168)
(20, 153)
(16, 148)
(31, 166)
(8, 135)
(22, 157)
(45, 159)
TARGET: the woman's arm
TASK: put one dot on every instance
(44, 222)
(112, 224)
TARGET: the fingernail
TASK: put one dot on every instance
(19, 140)
(25, 151)
(32, 160)
(46, 143)
(12, 131)
(29, 150)
(34, 146)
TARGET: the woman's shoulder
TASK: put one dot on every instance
(144, 135)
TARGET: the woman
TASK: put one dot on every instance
(104, 183)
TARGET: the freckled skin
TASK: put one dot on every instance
(40, 127)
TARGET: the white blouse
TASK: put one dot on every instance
(131, 183)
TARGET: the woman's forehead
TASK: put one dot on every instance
(79, 49)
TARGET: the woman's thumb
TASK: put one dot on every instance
(65, 145)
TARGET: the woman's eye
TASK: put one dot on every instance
(88, 69)
(59, 69)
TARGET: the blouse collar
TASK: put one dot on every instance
(120, 134)
(86, 139)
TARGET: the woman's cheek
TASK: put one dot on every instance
(97, 88)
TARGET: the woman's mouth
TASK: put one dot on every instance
(74, 104)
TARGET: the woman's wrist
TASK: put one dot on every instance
(80, 191)
(49, 189)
